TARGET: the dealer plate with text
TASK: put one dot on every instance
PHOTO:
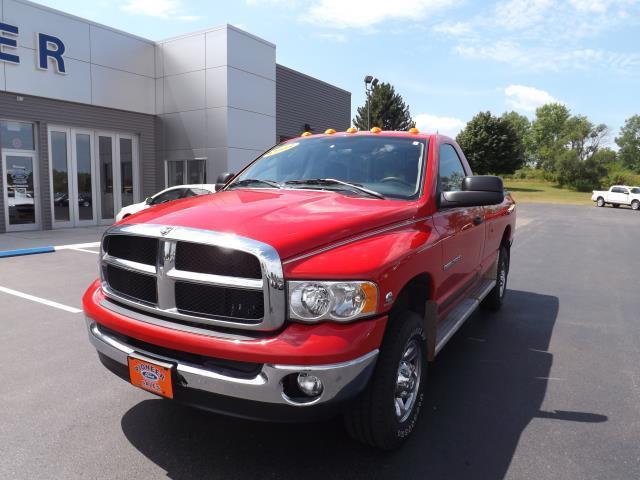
(151, 375)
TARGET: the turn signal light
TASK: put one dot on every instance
(414, 130)
(306, 134)
(329, 131)
(376, 130)
(352, 130)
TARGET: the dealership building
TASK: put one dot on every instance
(93, 119)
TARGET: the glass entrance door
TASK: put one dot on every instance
(108, 176)
(72, 177)
(84, 177)
(93, 175)
(21, 195)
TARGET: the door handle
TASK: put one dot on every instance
(477, 220)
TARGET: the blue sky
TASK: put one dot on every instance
(448, 58)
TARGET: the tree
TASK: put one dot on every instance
(548, 134)
(522, 126)
(629, 143)
(581, 175)
(491, 145)
(388, 110)
(583, 137)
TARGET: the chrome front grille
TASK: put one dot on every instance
(194, 276)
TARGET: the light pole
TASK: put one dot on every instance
(369, 83)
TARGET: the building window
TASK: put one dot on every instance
(183, 172)
(17, 135)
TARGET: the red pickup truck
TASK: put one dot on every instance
(320, 280)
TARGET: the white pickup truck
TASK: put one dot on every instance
(618, 195)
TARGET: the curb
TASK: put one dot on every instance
(26, 251)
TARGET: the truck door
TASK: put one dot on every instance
(616, 195)
(624, 196)
(462, 230)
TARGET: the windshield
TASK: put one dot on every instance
(390, 166)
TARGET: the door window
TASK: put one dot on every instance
(167, 196)
(84, 176)
(17, 135)
(450, 170)
(175, 173)
(20, 189)
(181, 172)
(105, 159)
(196, 171)
(60, 177)
(126, 171)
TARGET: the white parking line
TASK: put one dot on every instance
(83, 250)
(74, 246)
(43, 301)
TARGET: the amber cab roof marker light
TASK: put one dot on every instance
(306, 134)
(329, 131)
(352, 130)
(414, 130)
(376, 130)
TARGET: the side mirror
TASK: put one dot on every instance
(223, 178)
(477, 191)
(148, 200)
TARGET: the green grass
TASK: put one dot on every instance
(536, 191)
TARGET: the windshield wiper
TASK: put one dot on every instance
(250, 181)
(333, 181)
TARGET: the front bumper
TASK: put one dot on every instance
(260, 397)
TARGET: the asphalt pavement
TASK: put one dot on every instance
(547, 388)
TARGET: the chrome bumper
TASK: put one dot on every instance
(265, 387)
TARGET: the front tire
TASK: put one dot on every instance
(495, 299)
(385, 414)
(600, 202)
(635, 205)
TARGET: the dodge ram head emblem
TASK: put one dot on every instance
(165, 231)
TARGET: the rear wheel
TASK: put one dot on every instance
(635, 205)
(494, 300)
(600, 202)
(386, 413)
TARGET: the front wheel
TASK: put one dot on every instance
(600, 202)
(385, 414)
(635, 205)
(494, 300)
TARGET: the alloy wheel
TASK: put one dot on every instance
(408, 380)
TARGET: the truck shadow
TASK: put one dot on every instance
(484, 389)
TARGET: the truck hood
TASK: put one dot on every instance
(292, 221)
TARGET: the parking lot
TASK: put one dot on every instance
(547, 388)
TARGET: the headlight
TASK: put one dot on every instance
(341, 301)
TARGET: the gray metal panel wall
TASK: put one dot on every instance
(43, 111)
(302, 99)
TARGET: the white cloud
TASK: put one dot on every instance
(521, 97)
(368, 13)
(544, 58)
(428, 123)
(332, 37)
(594, 6)
(453, 29)
(501, 51)
(548, 35)
(518, 14)
(157, 8)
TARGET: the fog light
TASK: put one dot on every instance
(310, 384)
